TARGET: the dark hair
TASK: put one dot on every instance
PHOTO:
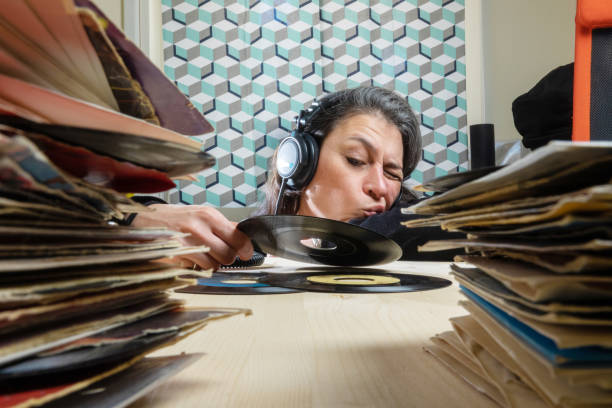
(337, 106)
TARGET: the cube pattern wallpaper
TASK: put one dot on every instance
(250, 66)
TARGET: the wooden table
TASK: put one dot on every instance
(321, 350)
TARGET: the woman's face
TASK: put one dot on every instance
(359, 171)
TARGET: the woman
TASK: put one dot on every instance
(369, 142)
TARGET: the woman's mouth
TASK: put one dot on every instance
(372, 211)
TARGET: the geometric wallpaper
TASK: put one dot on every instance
(251, 66)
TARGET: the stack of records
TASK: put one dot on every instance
(538, 290)
(92, 101)
(82, 298)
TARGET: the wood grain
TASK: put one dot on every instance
(321, 350)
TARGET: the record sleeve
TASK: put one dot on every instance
(171, 158)
(450, 181)
(86, 358)
(125, 387)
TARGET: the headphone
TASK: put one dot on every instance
(298, 153)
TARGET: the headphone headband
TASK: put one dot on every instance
(305, 116)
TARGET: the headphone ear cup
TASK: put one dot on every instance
(310, 167)
(306, 165)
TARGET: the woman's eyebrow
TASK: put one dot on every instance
(392, 164)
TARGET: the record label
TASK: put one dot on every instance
(319, 240)
(350, 279)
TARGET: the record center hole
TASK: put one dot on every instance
(240, 281)
(318, 243)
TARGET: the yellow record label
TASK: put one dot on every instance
(240, 281)
(353, 279)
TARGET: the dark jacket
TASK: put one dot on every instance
(389, 225)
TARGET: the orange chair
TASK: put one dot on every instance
(593, 71)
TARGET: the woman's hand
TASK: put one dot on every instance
(207, 226)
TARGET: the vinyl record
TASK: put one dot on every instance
(222, 283)
(355, 280)
(319, 240)
(171, 158)
(84, 358)
(450, 181)
(123, 388)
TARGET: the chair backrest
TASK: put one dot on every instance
(593, 71)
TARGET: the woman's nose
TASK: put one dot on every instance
(376, 184)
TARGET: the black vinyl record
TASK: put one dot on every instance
(171, 158)
(83, 358)
(222, 283)
(354, 280)
(319, 240)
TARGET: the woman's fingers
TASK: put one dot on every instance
(202, 260)
(225, 240)
(220, 251)
(236, 239)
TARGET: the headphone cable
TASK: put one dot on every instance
(280, 194)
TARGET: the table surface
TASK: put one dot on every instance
(321, 350)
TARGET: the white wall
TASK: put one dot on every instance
(517, 42)
(113, 10)
(141, 23)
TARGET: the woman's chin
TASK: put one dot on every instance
(347, 218)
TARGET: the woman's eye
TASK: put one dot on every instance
(354, 162)
(394, 176)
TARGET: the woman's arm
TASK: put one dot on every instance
(206, 226)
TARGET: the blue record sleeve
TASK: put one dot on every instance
(592, 356)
